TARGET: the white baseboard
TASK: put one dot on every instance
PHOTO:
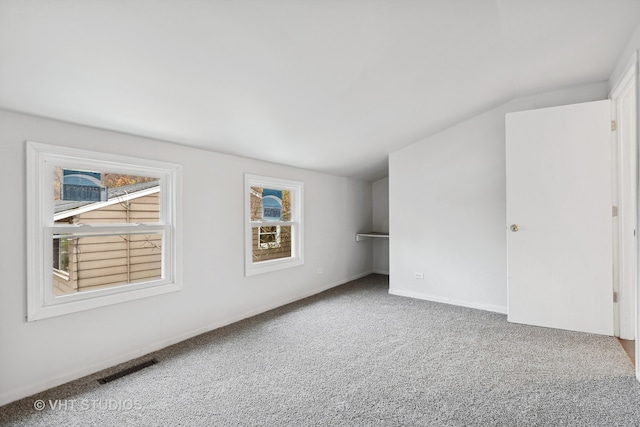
(385, 272)
(30, 389)
(451, 301)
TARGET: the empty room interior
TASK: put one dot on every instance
(351, 212)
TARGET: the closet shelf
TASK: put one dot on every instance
(371, 235)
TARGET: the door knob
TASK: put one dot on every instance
(514, 227)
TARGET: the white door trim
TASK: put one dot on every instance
(625, 146)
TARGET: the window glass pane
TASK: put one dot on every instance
(96, 262)
(270, 204)
(271, 242)
(256, 204)
(286, 205)
(104, 197)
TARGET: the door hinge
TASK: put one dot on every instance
(613, 125)
(615, 297)
(614, 211)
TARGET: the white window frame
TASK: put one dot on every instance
(296, 189)
(41, 161)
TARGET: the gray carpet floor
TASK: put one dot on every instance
(357, 356)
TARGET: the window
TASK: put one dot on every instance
(61, 255)
(273, 231)
(102, 229)
(270, 237)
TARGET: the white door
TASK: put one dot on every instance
(559, 237)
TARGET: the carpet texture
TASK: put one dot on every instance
(357, 356)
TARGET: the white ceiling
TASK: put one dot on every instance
(330, 85)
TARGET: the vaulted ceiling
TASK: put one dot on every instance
(329, 85)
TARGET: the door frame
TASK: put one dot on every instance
(625, 199)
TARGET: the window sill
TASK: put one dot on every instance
(61, 274)
(272, 265)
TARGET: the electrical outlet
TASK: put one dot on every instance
(418, 275)
(320, 270)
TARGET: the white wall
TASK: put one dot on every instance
(632, 46)
(448, 209)
(380, 190)
(37, 355)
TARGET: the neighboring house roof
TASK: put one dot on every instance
(66, 208)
